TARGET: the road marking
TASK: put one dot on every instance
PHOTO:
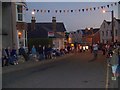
(107, 78)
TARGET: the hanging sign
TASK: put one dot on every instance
(50, 34)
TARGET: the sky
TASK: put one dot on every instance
(72, 21)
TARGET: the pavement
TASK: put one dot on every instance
(30, 63)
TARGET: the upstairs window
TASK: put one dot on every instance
(19, 8)
(20, 12)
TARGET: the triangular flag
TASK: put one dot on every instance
(115, 3)
(111, 4)
(26, 9)
(83, 10)
(94, 8)
(41, 10)
(60, 11)
(37, 10)
(86, 9)
(102, 7)
(108, 6)
(56, 11)
(91, 9)
(48, 11)
(71, 10)
(44, 10)
(119, 2)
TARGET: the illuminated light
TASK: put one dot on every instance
(33, 12)
(72, 45)
(86, 47)
(19, 33)
(80, 47)
(83, 47)
(88, 28)
(104, 11)
(69, 40)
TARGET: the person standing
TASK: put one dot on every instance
(40, 51)
(114, 63)
(4, 57)
(95, 50)
(23, 53)
(8, 50)
(34, 52)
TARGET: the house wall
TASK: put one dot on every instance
(104, 28)
(8, 24)
(58, 43)
(96, 37)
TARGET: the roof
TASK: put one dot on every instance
(118, 20)
(42, 29)
(89, 32)
(59, 26)
(108, 22)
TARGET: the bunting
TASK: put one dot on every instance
(72, 10)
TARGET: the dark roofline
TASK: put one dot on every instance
(118, 20)
(108, 22)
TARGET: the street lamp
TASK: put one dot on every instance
(112, 16)
(33, 21)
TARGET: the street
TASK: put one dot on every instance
(76, 71)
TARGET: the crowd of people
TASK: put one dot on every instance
(113, 54)
(10, 56)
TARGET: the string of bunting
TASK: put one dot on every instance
(76, 10)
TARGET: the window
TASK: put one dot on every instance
(20, 17)
(19, 8)
(19, 13)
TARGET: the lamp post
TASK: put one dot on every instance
(33, 21)
(112, 18)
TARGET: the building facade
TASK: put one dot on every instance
(106, 31)
(41, 32)
(21, 25)
(9, 33)
(13, 26)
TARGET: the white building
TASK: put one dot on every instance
(21, 25)
(106, 31)
(13, 24)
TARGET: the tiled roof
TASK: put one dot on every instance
(42, 29)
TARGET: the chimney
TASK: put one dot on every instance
(33, 23)
(54, 24)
